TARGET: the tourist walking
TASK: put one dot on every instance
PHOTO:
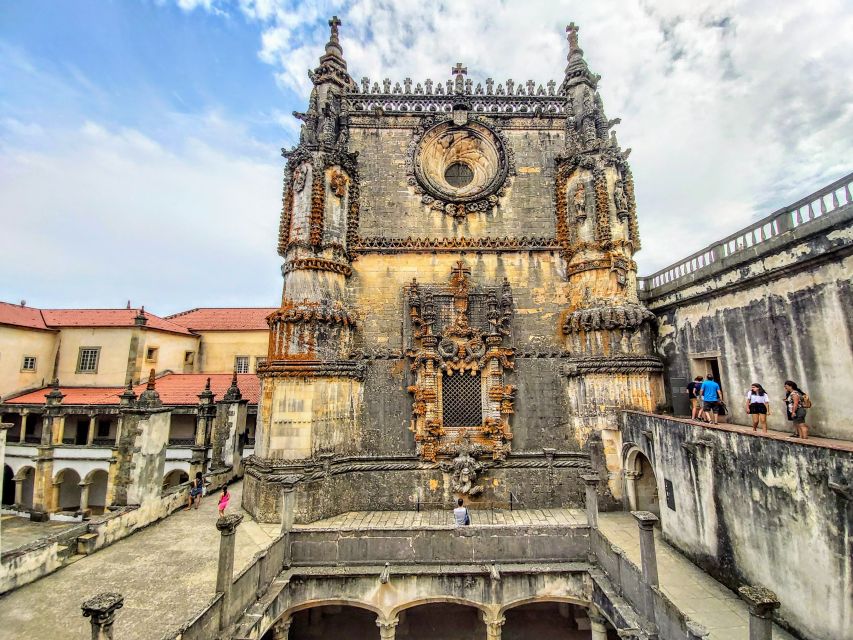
(196, 491)
(460, 514)
(796, 403)
(758, 406)
(223, 501)
(712, 397)
(693, 394)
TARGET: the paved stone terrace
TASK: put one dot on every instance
(166, 572)
(16, 531)
(697, 594)
(355, 520)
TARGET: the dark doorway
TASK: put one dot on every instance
(333, 622)
(441, 621)
(8, 485)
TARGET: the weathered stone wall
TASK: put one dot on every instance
(755, 510)
(390, 207)
(783, 310)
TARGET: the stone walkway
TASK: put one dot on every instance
(166, 572)
(354, 520)
(697, 594)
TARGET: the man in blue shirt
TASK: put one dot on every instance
(712, 396)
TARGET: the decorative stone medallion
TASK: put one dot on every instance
(459, 168)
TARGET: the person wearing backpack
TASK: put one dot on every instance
(461, 514)
(797, 401)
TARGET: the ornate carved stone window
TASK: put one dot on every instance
(459, 359)
(459, 168)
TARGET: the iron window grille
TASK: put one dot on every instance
(462, 402)
(88, 360)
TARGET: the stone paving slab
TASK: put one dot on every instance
(166, 572)
(369, 520)
(697, 594)
(16, 531)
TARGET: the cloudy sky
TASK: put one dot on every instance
(139, 139)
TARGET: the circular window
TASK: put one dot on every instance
(460, 164)
(458, 175)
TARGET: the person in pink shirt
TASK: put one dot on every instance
(223, 501)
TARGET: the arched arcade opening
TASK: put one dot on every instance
(640, 483)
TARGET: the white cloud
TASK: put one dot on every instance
(95, 215)
(732, 108)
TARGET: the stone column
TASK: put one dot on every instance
(102, 611)
(597, 625)
(19, 492)
(84, 497)
(591, 485)
(227, 526)
(93, 425)
(494, 626)
(387, 628)
(696, 631)
(762, 603)
(281, 629)
(631, 487)
(646, 521)
(23, 435)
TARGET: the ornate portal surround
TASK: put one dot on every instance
(459, 359)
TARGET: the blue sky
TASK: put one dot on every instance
(139, 139)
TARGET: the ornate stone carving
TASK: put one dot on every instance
(611, 365)
(317, 264)
(338, 183)
(579, 202)
(626, 316)
(382, 244)
(299, 174)
(439, 144)
(620, 200)
(460, 346)
(464, 470)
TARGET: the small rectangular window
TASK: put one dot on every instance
(241, 364)
(88, 360)
(29, 363)
(189, 357)
(151, 354)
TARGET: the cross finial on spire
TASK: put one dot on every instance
(334, 23)
(459, 70)
(572, 29)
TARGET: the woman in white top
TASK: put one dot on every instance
(758, 406)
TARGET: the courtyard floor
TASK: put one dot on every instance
(693, 591)
(166, 573)
(16, 531)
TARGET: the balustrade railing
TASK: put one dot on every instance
(805, 211)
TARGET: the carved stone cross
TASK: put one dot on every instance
(458, 85)
(572, 29)
(335, 23)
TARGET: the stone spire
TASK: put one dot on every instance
(233, 394)
(577, 71)
(206, 396)
(333, 66)
(128, 397)
(55, 396)
(149, 398)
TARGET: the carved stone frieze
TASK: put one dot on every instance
(312, 368)
(625, 316)
(382, 244)
(612, 365)
(317, 264)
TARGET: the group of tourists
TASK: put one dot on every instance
(198, 489)
(707, 404)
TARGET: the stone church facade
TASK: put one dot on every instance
(459, 314)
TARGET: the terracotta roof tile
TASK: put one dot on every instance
(107, 318)
(175, 389)
(20, 316)
(224, 318)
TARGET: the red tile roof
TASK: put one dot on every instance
(175, 389)
(107, 318)
(17, 315)
(224, 318)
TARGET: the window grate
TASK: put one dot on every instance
(241, 364)
(462, 403)
(478, 304)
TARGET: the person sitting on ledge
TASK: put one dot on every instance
(461, 515)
